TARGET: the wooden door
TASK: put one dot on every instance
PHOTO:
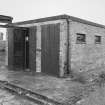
(32, 49)
(16, 48)
(50, 49)
(10, 47)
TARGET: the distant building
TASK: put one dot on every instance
(57, 45)
(1, 36)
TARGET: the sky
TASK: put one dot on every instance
(21, 10)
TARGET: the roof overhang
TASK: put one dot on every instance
(5, 19)
(67, 17)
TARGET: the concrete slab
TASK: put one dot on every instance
(58, 89)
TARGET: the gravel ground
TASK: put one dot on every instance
(59, 89)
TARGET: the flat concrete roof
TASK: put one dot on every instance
(57, 18)
(5, 19)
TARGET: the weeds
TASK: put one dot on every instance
(100, 80)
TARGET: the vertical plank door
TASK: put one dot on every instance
(32, 49)
(10, 47)
(50, 37)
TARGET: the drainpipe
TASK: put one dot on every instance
(68, 50)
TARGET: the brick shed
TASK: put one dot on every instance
(56, 45)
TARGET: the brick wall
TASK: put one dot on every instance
(90, 56)
(63, 48)
(82, 57)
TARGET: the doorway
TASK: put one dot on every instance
(18, 48)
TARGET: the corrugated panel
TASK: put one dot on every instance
(32, 49)
(50, 49)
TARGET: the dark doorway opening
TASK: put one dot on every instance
(18, 48)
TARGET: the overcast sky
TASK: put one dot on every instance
(92, 10)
